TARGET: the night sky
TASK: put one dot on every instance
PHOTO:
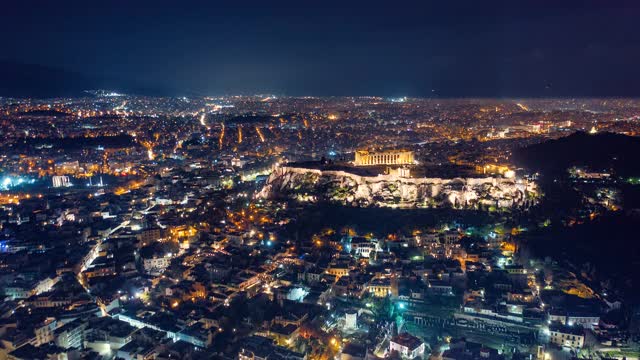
(391, 48)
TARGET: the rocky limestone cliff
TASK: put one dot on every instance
(313, 185)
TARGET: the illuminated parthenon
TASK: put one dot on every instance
(388, 157)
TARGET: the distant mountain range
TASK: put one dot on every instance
(22, 80)
(602, 151)
(28, 80)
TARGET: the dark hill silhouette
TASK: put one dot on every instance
(75, 143)
(20, 80)
(28, 80)
(603, 151)
(35, 113)
(603, 263)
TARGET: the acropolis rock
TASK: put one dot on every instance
(341, 187)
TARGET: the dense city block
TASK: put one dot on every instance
(266, 227)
